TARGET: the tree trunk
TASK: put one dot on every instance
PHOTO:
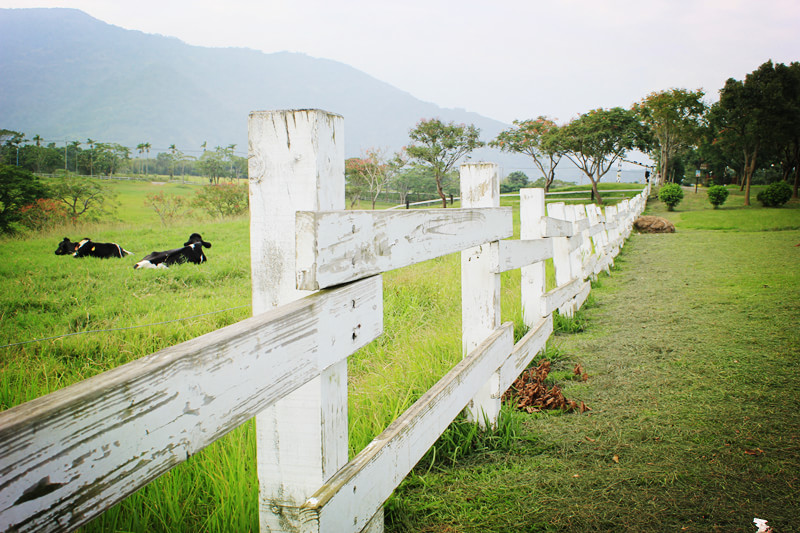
(595, 192)
(749, 169)
(441, 191)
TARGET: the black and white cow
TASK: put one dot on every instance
(103, 250)
(87, 248)
(192, 252)
(66, 247)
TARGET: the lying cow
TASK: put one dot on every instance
(192, 252)
(66, 247)
(87, 248)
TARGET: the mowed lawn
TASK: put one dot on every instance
(692, 347)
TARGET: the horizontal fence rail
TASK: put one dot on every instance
(68, 456)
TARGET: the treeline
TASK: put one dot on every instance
(96, 158)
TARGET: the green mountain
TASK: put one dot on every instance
(67, 76)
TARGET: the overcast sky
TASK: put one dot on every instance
(503, 59)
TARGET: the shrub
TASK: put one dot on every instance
(168, 207)
(223, 200)
(717, 194)
(671, 194)
(775, 195)
(43, 214)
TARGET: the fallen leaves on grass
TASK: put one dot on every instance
(529, 392)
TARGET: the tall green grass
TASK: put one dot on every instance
(113, 314)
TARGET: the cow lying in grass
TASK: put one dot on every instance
(87, 248)
(192, 252)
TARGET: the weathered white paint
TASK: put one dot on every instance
(520, 253)
(296, 163)
(337, 247)
(480, 286)
(562, 255)
(68, 456)
(533, 281)
(560, 296)
(556, 227)
(351, 497)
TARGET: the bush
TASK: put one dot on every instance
(717, 194)
(43, 214)
(775, 195)
(223, 200)
(671, 194)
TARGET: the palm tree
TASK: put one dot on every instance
(91, 142)
(173, 152)
(140, 149)
(147, 147)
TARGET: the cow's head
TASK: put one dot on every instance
(195, 238)
(66, 247)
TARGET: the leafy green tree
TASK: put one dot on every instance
(18, 188)
(596, 140)
(10, 142)
(372, 170)
(536, 139)
(110, 157)
(514, 182)
(214, 164)
(440, 146)
(675, 117)
(671, 194)
(83, 197)
(755, 115)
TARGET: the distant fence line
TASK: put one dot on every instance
(317, 298)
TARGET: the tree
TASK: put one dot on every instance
(675, 117)
(10, 142)
(109, 157)
(212, 164)
(514, 182)
(91, 143)
(440, 146)
(754, 115)
(596, 140)
(144, 148)
(18, 188)
(372, 170)
(83, 197)
(536, 139)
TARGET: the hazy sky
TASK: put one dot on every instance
(503, 59)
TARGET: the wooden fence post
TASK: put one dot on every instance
(480, 287)
(562, 262)
(533, 278)
(296, 163)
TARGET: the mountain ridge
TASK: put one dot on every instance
(66, 75)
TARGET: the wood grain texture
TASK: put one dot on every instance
(68, 456)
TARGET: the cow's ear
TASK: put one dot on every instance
(206, 244)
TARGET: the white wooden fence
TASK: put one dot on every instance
(68, 456)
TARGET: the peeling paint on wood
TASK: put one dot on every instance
(68, 456)
(339, 246)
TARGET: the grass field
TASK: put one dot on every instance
(131, 313)
(691, 346)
